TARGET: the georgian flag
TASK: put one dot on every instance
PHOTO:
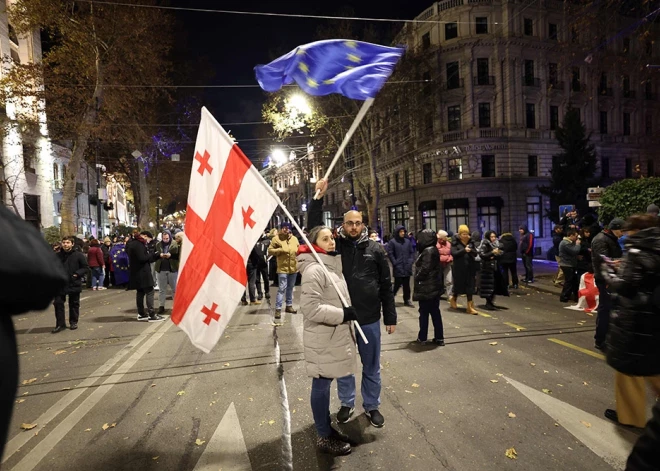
(229, 206)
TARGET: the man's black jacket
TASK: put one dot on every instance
(366, 272)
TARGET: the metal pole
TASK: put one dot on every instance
(99, 218)
(157, 197)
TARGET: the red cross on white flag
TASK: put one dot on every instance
(229, 206)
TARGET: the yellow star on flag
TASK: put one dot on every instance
(354, 58)
(312, 83)
(351, 44)
(304, 67)
(329, 81)
(301, 52)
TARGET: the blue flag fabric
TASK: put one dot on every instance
(355, 69)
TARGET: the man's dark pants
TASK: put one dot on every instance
(74, 308)
(604, 309)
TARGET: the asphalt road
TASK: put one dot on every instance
(118, 394)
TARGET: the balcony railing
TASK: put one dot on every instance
(455, 84)
(629, 94)
(605, 91)
(490, 133)
(529, 81)
(453, 136)
(483, 80)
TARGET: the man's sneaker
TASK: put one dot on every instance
(278, 313)
(409, 304)
(244, 302)
(260, 297)
(142, 317)
(421, 342)
(345, 413)
(57, 329)
(332, 446)
(600, 346)
(73, 326)
(267, 296)
(290, 310)
(156, 318)
(375, 417)
(439, 342)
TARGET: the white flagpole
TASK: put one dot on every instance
(344, 302)
(358, 119)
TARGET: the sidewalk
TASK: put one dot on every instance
(544, 272)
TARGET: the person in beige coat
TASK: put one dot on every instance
(328, 337)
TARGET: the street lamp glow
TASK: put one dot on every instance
(299, 104)
(279, 157)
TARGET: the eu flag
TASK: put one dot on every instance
(355, 69)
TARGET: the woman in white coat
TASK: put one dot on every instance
(328, 338)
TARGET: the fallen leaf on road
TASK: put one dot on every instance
(29, 381)
(250, 399)
(153, 385)
(409, 392)
(441, 412)
(586, 424)
(415, 385)
(511, 453)
(26, 393)
(512, 415)
(499, 374)
(547, 391)
(528, 308)
(300, 399)
(18, 401)
(155, 458)
(271, 422)
(494, 381)
(560, 385)
(22, 353)
(180, 393)
(106, 426)
(533, 364)
(88, 430)
(556, 424)
(226, 364)
(493, 343)
(65, 389)
(412, 456)
(585, 383)
(293, 411)
(487, 331)
(59, 352)
(499, 351)
(47, 375)
(199, 442)
(546, 371)
(28, 426)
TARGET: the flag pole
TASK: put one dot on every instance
(344, 302)
(358, 119)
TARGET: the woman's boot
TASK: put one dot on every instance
(470, 308)
(452, 302)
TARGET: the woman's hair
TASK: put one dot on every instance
(488, 234)
(638, 222)
(314, 233)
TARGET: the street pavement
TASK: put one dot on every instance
(118, 394)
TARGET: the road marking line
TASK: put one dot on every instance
(515, 326)
(226, 450)
(483, 314)
(22, 438)
(39, 452)
(579, 349)
(607, 440)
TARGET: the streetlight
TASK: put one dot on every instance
(278, 157)
(299, 104)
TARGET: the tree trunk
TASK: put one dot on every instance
(142, 191)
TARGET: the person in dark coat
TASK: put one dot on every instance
(76, 267)
(402, 255)
(508, 259)
(261, 248)
(492, 283)
(633, 340)
(557, 237)
(31, 275)
(141, 279)
(107, 262)
(645, 456)
(585, 264)
(605, 244)
(464, 268)
(428, 278)
(527, 252)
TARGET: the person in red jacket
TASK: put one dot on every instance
(96, 263)
(446, 260)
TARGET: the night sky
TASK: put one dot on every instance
(222, 49)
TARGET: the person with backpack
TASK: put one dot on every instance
(427, 287)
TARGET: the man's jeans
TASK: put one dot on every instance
(448, 279)
(97, 277)
(529, 266)
(287, 282)
(320, 399)
(165, 278)
(370, 356)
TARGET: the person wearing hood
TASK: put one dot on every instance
(368, 278)
(428, 275)
(491, 278)
(328, 337)
(463, 268)
(527, 252)
(446, 260)
(141, 279)
(508, 260)
(167, 267)
(284, 246)
(402, 255)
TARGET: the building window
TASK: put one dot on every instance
(534, 221)
(627, 92)
(484, 115)
(629, 168)
(530, 115)
(489, 214)
(533, 165)
(398, 216)
(554, 117)
(29, 157)
(648, 125)
(333, 198)
(427, 173)
(454, 118)
(327, 219)
(552, 31)
(482, 72)
(626, 45)
(650, 168)
(396, 182)
(456, 213)
(528, 27)
(575, 79)
(603, 122)
(453, 79)
(626, 124)
(426, 41)
(57, 179)
(553, 76)
(605, 167)
(388, 184)
(32, 210)
(529, 73)
(482, 25)
(455, 169)
(648, 90)
(406, 178)
(487, 166)
(451, 31)
(428, 210)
